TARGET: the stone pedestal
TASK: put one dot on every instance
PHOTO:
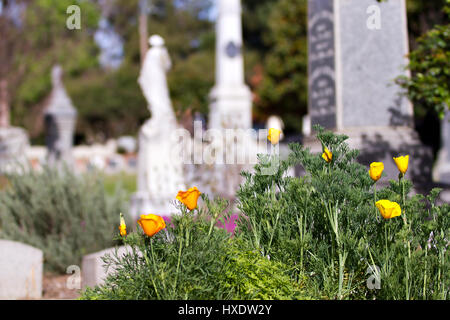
(160, 171)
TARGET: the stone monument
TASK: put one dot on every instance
(60, 118)
(356, 50)
(160, 168)
(230, 100)
(13, 140)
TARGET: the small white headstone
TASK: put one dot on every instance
(93, 270)
(20, 271)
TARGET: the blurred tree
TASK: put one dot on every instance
(429, 84)
(281, 85)
(34, 37)
(422, 16)
(40, 39)
(110, 102)
(120, 105)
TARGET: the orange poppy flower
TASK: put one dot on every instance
(122, 226)
(189, 198)
(327, 155)
(151, 224)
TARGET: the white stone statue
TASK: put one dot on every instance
(160, 170)
(153, 81)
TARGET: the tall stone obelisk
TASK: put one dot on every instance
(230, 103)
(231, 100)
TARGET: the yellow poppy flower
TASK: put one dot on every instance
(376, 169)
(122, 226)
(274, 136)
(327, 155)
(388, 209)
(151, 224)
(189, 198)
(402, 163)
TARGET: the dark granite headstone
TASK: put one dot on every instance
(356, 49)
(321, 72)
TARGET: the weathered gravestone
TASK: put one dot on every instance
(60, 118)
(356, 50)
(20, 271)
(93, 269)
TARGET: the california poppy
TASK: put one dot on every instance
(151, 224)
(402, 163)
(189, 198)
(376, 169)
(122, 226)
(388, 209)
(327, 155)
(274, 135)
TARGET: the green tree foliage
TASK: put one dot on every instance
(110, 102)
(283, 89)
(429, 85)
(46, 41)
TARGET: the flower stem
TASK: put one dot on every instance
(178, 263)
(402, 186)
(375, 200)
(148, 262)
